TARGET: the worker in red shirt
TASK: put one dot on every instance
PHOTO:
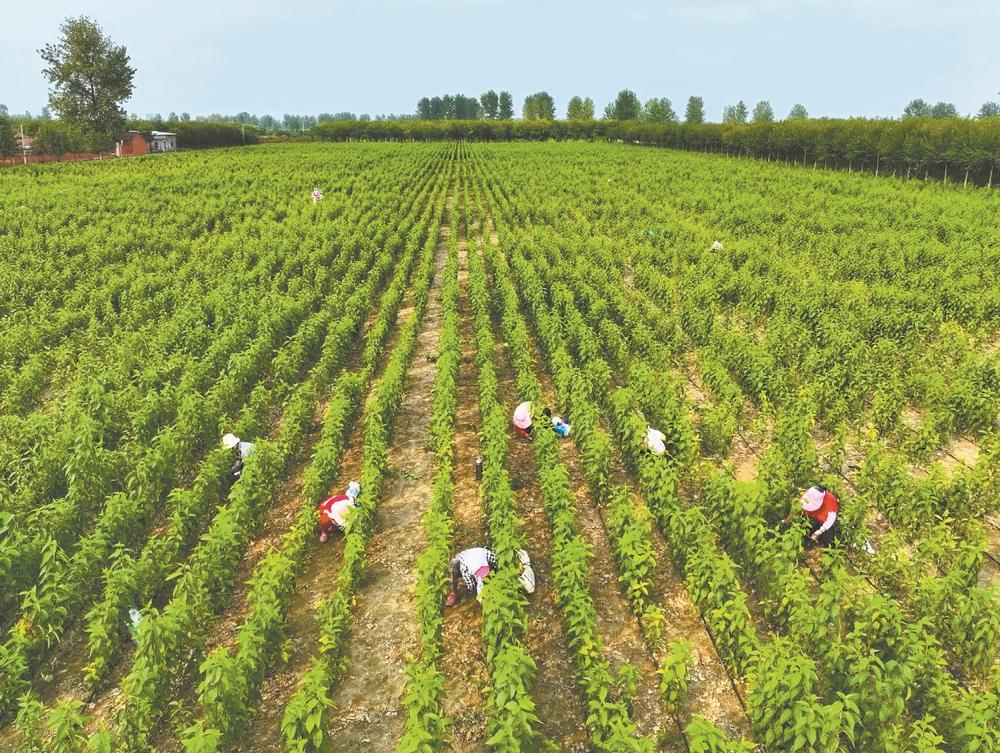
(334, 511)
(821, 508)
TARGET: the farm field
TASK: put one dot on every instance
(846, 333)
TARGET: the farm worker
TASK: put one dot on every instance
(656, 441)
(821, 508)
(559, 426)
(134, 618)
(716, 246)
(334, 511)
(317, 195)
(242, 450)
(471, 568)
(522, 419)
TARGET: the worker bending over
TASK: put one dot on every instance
(820, 507)
(523, 421)
(656, 441)
(334, 511)
(471, 567)
(241, 451)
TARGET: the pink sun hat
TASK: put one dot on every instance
(522, 415)
(812, 500)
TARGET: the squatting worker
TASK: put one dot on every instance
(471, 567)
(334, 511)
(522, 419)
(656, 441)
(241, 450)
(821, 508)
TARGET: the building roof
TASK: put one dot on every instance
(157, 134)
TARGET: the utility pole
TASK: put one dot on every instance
(24, 149)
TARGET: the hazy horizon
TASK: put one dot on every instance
(839, 59)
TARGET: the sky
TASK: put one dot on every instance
(837, 57)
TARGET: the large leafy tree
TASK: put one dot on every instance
(694, 113)
(506, 106)
(763, 112)
(798, 112)
(580, 108)
(490, 103)
(424, 108)
(658, 110)
(539, 106)
(989, 110)
(625, 107)
(89, 76)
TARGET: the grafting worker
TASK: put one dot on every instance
(317, 195)
(656, 441)
(242, 450)
(559, 426)
(522, 419)
(820, 507)
(334, 511)
(471, 567)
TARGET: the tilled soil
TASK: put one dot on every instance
(368, 712)
(463, 662)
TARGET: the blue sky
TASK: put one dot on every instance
(838, 57)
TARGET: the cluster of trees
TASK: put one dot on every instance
(489, 105)
(912, 146)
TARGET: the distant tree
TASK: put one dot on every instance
(3, 111)
(364, 117)
(694, 113)
(45, 114)
(292, 122)
(490, 103)
(917, 108)
(625, 107)
(763, 112)
(308, 121)
(944, 110)
(580, 109)
(539, 106)
(172, 117)
(735, 113)
(424, 108)
(186, 117)
(798, 112)
(466, 108)
(267, 122)
(8, 144)
(89, 76)
(437, 108)
(988, 110)
(506, 106)
(658, 111)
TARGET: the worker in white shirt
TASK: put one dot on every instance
(242, 450)
(656, 441)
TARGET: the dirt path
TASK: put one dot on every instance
(319, 569)
(368, 713)
(463, 663)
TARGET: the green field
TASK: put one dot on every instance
(847, 332)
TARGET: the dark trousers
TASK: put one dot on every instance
(827, 538)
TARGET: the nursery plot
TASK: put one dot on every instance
(783, 328)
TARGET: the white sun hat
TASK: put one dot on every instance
(230, 441)
(522, 415)
(812, 500)
(353, 490)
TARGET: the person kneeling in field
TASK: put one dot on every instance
(334, 511)
(656, 441)
(559, 426)
(821, 508)
(242, 451)
(471, 568)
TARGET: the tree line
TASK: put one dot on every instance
(952, 148)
